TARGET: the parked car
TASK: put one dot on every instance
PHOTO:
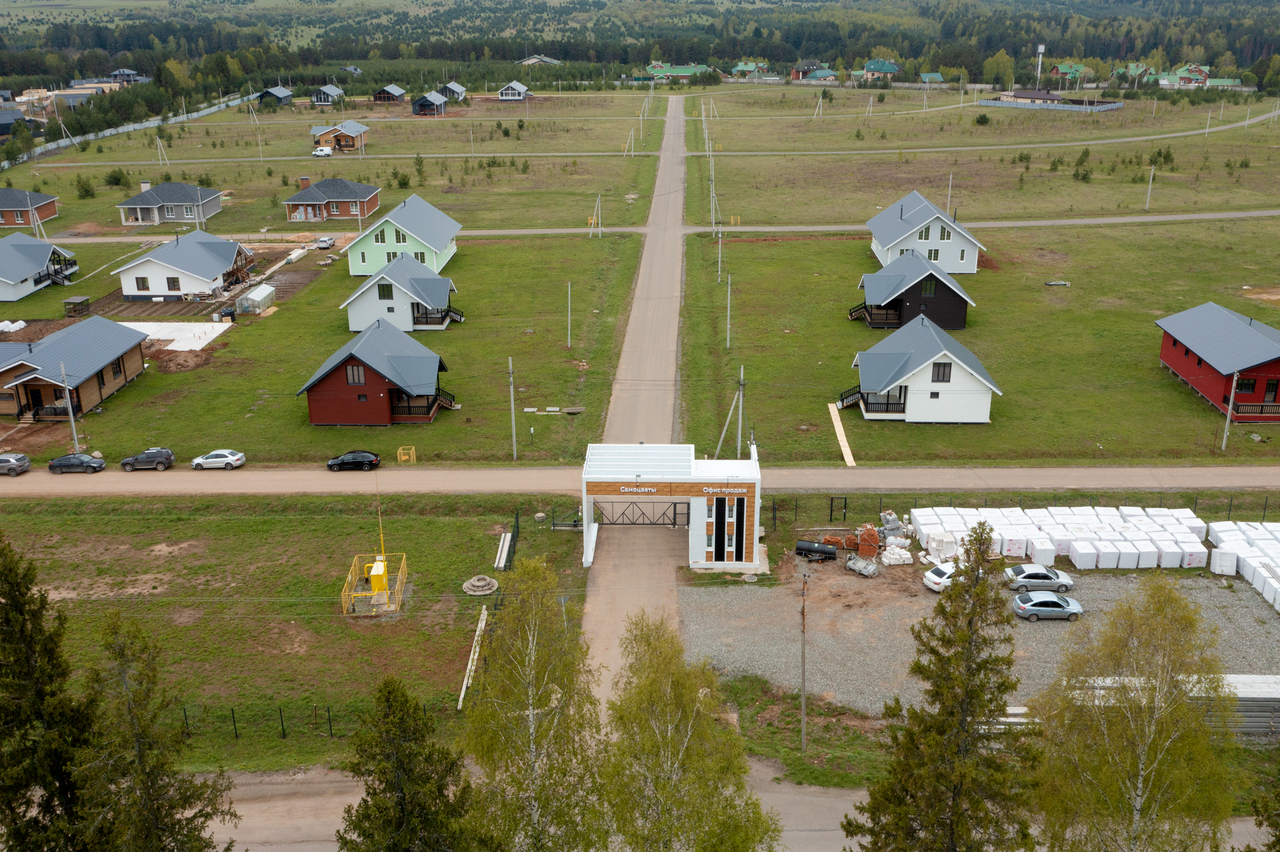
(322, 152)
(325, 242)
(1034, 606)
(355, 460)
(77, 463)
(939, 577)
(226, 459)
(155, 457)
(14, 464)
(1024, 578)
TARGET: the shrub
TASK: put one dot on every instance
(403, 181)
(205, 180)
(118, 177)
(880, 98)
(99, 147)
(269, 171)
(284, 180)
(84, 187)
(982, 120)
(506, 131)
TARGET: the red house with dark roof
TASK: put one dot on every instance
(1211, 348)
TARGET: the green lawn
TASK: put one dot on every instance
(1079, 366)
(782, 190)
(94, 280)
(513, 293)
(243, 598)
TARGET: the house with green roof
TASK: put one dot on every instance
(661, 71)
(931, 77)
(745, 67)
(1067, 70)
(880, 69)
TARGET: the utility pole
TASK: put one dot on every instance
(728, 312)
(1150, 181)
(804, 707)
(950, 178)
(71, 408)
(511, 383)
(570, 343)
(742, 396)
(1235, 380)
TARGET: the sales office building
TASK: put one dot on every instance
(718, 501)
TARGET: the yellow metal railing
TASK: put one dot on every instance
(382, 593)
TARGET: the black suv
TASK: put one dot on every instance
(355, 460)
(157, 457)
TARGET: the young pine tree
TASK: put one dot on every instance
(956, 782)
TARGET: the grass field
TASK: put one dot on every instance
(1079, 366)
(513, 294)
(781, 190)
(243, 598)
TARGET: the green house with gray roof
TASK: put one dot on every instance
(413, 227)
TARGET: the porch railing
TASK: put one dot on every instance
(874, 315)
(414, 410)
(1257, 408)
(883, 407)
(850, 398)
(446, 398)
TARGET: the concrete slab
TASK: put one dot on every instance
(186, 336)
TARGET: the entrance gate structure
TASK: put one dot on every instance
(664, 484)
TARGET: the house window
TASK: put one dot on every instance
(381, 237)
(421, 257)
(401, 237)
(142, 284)
(17, 216)
(175, 285)
(188, 211)
(168, 212)
(729, 510)
(7, 397)
(1199, 362)
(355, 374)
(391, 256)
(333, 207)
(355, 208)
(117, 367)
(901, 252)
(362, 259)
(711, 541)
(933, 394)
(962, 255)
(929, 288)
(924, 234)
(1246, 385)
(384, 292)
(941, 372)
(1186, 351)
(933, 254)
(1175, 343)
(102, 380)
(944, 233)
(361, 398)
(391, 309)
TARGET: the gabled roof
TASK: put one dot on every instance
(171, 193)
(22, 256)
(353, 69)
(21, 199)
(1227, 340)
(124, 72)
(903, 271)
(279, 91)
(820, 74)
(393, 90)
(517, 85)
(350, 128)
(331, 91)
(333, 189)
(391, 353)
(198, 253)
(432, 98)
(9, 116)
(885, 365)
(83, 349)
(882, 66)
(420, 219)
(931, 77)
(455, 87)
(418, 281)
(907, 216)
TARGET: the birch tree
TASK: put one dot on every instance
(676, 776)
(1133, 729)
(533, 725)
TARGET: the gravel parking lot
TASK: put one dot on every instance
(860, 645)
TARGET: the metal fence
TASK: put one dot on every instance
(1061, 107)
(357, 602)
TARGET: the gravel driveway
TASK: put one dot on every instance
(860, 645)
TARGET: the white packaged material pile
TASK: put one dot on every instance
(895, 541)
(1083, 555)
(1126, 555)
(1170, 553)
(1148, 554)
(942, 545)
(15, 325)
(1194, 554)
(1223, 562)
(1015, 547)
(894, 555)
(1042, 551)
(1108, 554)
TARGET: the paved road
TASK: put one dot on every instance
(568, 480)
(643, 404)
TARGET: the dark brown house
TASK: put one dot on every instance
(392, 94)
(910, 286)
(383, 376)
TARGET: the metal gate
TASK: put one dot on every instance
(643, 514)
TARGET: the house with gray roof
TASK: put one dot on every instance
(513, 91)
(453, 90)
(98, 356)
(331, 198)
(9, 118)
(276, 95)
(1231, 360)
(28, 264)
(166, 203)
(921, 374)
(915, 222)
(414, 227)
(192, 266)
(392, 94)
(19, 208)
(353, 70)
(406, 294)
(346, 136)
(909, 286)
(326, 95)
(431, 103)
(381, 377)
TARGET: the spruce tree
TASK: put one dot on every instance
(957, 780)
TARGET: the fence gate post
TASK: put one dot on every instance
(328, 712)
(1265, 501)
(283, 735)
(234, 726)
(1230, 503)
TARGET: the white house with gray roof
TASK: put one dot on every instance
(915, 222)
(28, 264)
(406, 294)
(326, 95)
(453, 90)
(513, 91)
(197, 265)
(170, 202)
(412, 227)
(921, 374)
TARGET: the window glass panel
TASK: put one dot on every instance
(174, 284)
(421, 257)
(355, 374)
(942, 372)
(188, 211)
(1246, 385)
(380, 237)
(362, 257)
(355, 207)
(384, 292)
(142, 284)
(333, 207)
(929, 288)
(962, 254)
(17, 216)
(933, 254)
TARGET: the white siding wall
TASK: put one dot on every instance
(697, 532)
(15, 291)
(948, 252)
(368, 307)
(964, 399)
(157, 275)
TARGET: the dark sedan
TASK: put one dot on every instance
(355, 460)
(77, 463)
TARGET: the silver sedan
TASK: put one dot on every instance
(1034, 606)
(227, 459)
(1024, 578)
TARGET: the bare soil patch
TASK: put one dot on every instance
(1263, 294)
(36, 330)
(986, 261)
(185, 616)
(166, 550)
(34, 439)
(1044, 255)
(138, 585)
(168, 361)
(290, 280)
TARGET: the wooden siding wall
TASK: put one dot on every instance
(1211, 384)
(333, 402)
(945, 308)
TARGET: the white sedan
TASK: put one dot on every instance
(938, 578)
(227, 459)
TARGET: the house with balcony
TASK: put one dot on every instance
(431, 103)
(513, 91)
(20, 208)
(391, 94)
(915, 222)
(412, 227)
(380, 378)
(327, 96)
(1214, 349)
(331, 198)
(28, 264)
(169, 203)
(911, 286)
(406, 294)
(921, 374)
(191, 267)
(97, 357)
